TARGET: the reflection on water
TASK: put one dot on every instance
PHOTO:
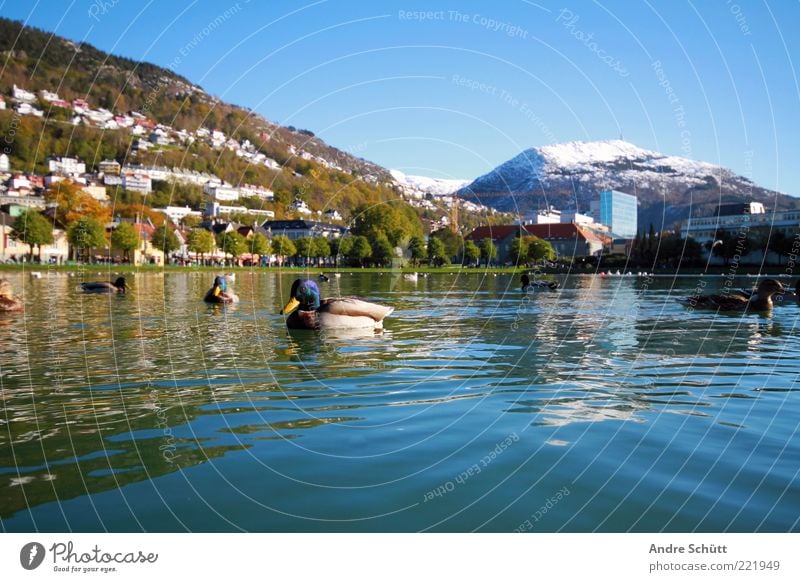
(155, 411)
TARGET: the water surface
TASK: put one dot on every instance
(604, 406)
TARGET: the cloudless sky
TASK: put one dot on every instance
(451, 89)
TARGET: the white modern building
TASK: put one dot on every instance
(734, 218)
(66, 166)
(137, 182)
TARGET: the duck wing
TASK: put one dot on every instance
(354, 307)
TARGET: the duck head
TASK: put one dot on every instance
(5, 289)
(768, 287)
(304, 295)
(121, 284)
(220, 286)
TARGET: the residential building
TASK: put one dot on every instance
(109, 167)
(178, 213)
(295, 229)
(215, 209)
(300, 207)
(145, 253)
(22, 95)
(137, 182)
(332, 214)
(12, 250)
(5, 163)
(222, 192)
(66, 166)
(618, 211)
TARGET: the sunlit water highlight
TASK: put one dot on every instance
(604, 406)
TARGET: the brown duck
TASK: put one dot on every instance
(761, 300)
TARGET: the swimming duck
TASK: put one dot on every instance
(219, 292)
(323, 277)
(118, 286)
(306, 310)
(527, 285)
(783, 298)
(7, 300)
(761, 300)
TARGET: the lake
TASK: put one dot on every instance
(603, 406)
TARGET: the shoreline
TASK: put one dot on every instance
(454, 269)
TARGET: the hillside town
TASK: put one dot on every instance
(609, 228)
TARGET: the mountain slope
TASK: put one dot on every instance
(568, 176)
(424, 185)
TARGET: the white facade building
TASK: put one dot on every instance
(66, 166)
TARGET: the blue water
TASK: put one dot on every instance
(604, 406)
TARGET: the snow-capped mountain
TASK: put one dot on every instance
(424, 185)
(570, 175)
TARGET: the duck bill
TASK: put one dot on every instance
(290, 307)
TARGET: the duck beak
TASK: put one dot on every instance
(291, 306)
(217, 291)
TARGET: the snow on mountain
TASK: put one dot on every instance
(424, 185)
(569, 175)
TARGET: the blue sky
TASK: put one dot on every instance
(451, 89)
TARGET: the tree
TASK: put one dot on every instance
(382, 251)
(305, 248)
(519, 250)
(471, 252)
(453, 243)
(125, 238)
(165, 239)
(283, 248)
(359, 250)
(419, 252)
(398, 222)
(539, 249)
(259, 245)
(437, 253)
(33, 229)
(232, 243)
(190, 221)
(341, 247)
(86, 233)
(200, 242)
(72, 203)
(488, 250)
(322, 248)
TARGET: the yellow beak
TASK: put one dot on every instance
(217, 291)
(291, 306)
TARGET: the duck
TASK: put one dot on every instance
(219, 292)
(411, 277)
(307, 310)
(761, 300)
(527, 285)
(324, 278)
(783, 298)
(118, 286)
(7, 300)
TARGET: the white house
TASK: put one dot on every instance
(178, 213)
(5, 163)
(22, 95)
(137, 182)
(221, 192)
(66, 166)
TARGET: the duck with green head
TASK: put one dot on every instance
(118, 286)
(307, 310)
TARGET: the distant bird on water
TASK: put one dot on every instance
(118, 286)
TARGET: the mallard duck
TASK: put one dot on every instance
(7, 300)
(306, 310)
(784, 298)
(761, 300)
(118, 286)
(219, 292)
(323, 277)
(527, 285)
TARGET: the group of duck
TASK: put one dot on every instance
(307, 310)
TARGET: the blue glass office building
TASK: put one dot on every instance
(618, 212)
